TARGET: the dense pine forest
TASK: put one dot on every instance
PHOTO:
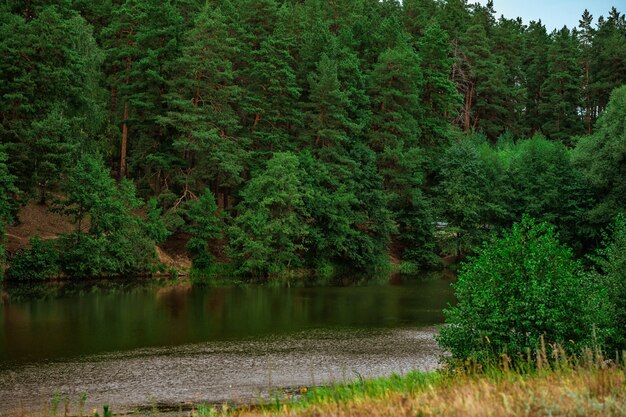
(282, 135)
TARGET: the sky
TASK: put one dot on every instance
(554, 14)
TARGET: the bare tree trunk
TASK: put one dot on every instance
(124, 142)
(588, 99)
(468, 109)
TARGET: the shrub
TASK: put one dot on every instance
(611, 261)
(40, 261)
(523, 287)
(117, 240)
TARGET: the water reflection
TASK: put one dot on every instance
(52, 322)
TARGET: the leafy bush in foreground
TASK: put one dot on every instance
(523, 287)
(612, 264)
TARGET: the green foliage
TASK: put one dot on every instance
(189, 95)
(611, 261)
(545, 184)
(522, 290)
(561, 89)
(205, 226)
(271, 231)
(51, 97)
(38, 262)
(114, 241)
(202, 98)
(7, 189)
(351, 224)
(602, 159)
(155, 227)
(461, 195)
(439, 95)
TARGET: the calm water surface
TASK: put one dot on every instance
(136, 344)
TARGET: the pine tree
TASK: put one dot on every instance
(439, 97)
(271, 231)
(535, 62)
(483, 85)
(205, 226)
(328, 122)
(419, 16)
(141, 40)
(586, 35)
(395, 85)
(203, 118)
(561, 91)
(51, 93)
(270, 97)
(508, 35)
(608, 67)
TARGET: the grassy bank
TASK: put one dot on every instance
(588, 387)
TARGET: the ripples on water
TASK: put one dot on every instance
(138, 345)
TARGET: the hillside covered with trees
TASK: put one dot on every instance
(312, 134)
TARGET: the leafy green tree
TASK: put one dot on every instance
(545, 184)
(270, 233)
(602, 159)
(109, 238)
(205, 226)
(521, 290)
(351, 224)
(611, 261)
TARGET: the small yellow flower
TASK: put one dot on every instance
(303, 390)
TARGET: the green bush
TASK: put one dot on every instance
(39, 262)
(611, 261)
(117, 241)
(522, 288)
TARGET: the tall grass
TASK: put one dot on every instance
(548, 383)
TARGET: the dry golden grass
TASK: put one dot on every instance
(565, 391)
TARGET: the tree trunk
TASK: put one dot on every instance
(468, 109)
(588, 99)
(124, 142)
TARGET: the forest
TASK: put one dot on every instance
(284, 135)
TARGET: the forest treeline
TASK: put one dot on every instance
(304, 134)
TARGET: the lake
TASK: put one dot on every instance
(144, 344)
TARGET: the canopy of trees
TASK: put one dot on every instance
(306, 133)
